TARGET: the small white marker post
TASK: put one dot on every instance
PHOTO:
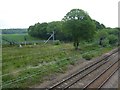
(20, 45)
(25, 43)
(25, 40)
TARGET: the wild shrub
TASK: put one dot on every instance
(88, 56)
(113, 39)
(57, 42)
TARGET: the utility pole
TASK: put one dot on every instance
(53, 36)
(25, 40)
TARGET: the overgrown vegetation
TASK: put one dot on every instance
(41, 61)
(88, 56)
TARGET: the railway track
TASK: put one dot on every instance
(71, 80)
(101, 79)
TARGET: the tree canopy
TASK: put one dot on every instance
(98, 25)
(79, 24)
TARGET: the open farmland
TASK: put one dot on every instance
(19, 37)
(22, 67)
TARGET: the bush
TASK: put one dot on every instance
(57, 42)
(105, 42)
(113, 39)
(88, 56)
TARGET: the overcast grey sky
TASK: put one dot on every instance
(23, 13)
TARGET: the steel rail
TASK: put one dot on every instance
(108, 78)
(90, 71)
(100, 75)
(73, 75)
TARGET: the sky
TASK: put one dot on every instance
(23, 13)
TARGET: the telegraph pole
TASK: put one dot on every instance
(53, 36)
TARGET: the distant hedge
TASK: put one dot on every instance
(13, 31)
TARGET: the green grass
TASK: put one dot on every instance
(42, 61)
(19, 37)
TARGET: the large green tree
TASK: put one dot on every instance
(79, 25)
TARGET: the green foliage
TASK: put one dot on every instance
(39, 30)
(105, 42)
(113, 39)
(107, 36)
(88, 56)
(44, 30)
(101, 34)
(112, 31)
(54, 26)
(98, 25)
(79, 25)
(57, 42)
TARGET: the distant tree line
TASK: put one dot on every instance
(14, 31)
(44, 30)
(108, 36)
(76, 26)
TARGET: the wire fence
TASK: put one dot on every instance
(14, 42)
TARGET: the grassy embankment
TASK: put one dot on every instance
(38, 61)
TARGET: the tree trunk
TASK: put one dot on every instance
(76, 44)
(100, 42)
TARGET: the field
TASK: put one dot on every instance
(29, 65)
(18, 37)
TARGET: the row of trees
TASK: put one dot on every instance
(14, 31)
(108, 36)
(76, 26)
